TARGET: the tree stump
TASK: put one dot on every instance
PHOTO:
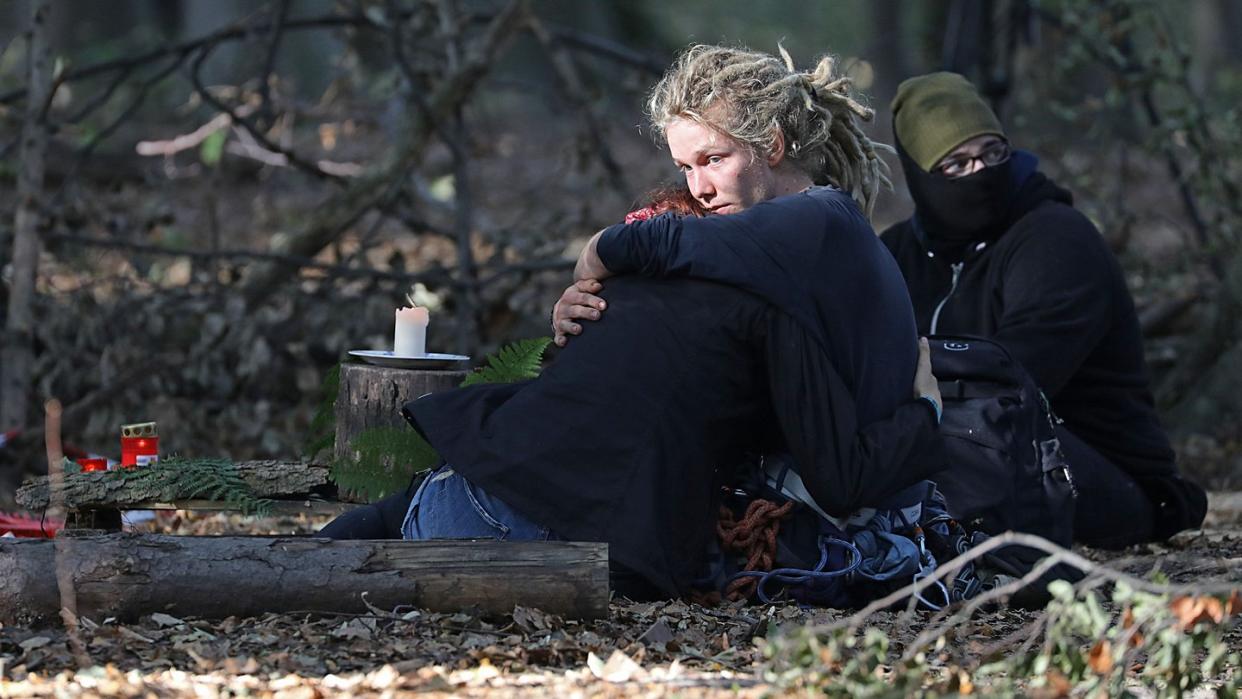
(372, 396)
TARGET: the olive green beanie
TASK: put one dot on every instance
(935, 113)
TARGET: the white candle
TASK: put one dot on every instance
(410, 339)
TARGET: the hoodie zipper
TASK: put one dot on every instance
(957, 273)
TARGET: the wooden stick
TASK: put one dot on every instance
(67, 601)
(129, 575)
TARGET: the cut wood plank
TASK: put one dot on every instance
(273, 508)
(129, 575)
(372, 396)
(103, 490)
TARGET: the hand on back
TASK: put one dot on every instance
(579, 302)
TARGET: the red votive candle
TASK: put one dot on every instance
(140, 445)
(90, 464)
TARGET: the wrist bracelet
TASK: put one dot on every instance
(935, 404)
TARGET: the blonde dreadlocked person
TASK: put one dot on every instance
(778, 160)
(745, 127)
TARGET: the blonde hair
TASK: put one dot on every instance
(749, 95)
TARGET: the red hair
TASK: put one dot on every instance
(670, 198)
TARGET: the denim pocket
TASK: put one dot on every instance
(481, 511)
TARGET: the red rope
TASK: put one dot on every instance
(753, 536)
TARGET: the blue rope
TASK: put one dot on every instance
(927, 566)
(798, 576)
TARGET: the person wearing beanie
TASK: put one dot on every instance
(996, 249)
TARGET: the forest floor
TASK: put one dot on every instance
(640, 649)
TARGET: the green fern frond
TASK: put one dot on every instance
(177, 478)
(386, 459)
(516, 361)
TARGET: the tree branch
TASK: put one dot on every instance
(269, 65)
(291, 157)
(380, 189)
(571, 81)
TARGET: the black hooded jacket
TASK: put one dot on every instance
(1045, 285)
(628, 435)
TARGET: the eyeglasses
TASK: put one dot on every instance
(962, 165)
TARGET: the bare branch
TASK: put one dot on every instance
(235, 32)
(185, 141)
(381, 189)
(609, 49)
(1017, 539)
(269, 65)
(296, 262)
(593, 127)
(235, 114)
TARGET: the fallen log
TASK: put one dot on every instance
(129, 575)
(103, 490)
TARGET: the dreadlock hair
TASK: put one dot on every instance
(750, 95)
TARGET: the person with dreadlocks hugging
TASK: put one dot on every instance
(784, 317)
(996, 249)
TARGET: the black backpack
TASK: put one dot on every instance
(1006, 469)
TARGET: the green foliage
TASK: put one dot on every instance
(385, 458)
(212, 148)
(517, 361)
(178, 478)
(1169, 645)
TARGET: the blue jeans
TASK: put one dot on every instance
(447, 506)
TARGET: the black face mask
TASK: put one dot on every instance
(959, 210)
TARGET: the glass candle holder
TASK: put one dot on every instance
(140, 444)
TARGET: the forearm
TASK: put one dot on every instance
(589, 265)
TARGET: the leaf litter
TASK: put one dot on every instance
(641, 649)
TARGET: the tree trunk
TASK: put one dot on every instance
(129, 575)
(887, 51)
(17, 350)
(103, 490)
(372, 396)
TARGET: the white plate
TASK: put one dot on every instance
(431, 360)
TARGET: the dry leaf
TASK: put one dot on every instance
(532, 619)
(619, 668)
(352, 629)
(657, 634)
(1100, 658)
(964, 685)
(1192, 610)
(383, 678)
(1058, 685)
(165, 620)
(133, 635)
(36, 642)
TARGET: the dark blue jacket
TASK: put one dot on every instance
(812, 255)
